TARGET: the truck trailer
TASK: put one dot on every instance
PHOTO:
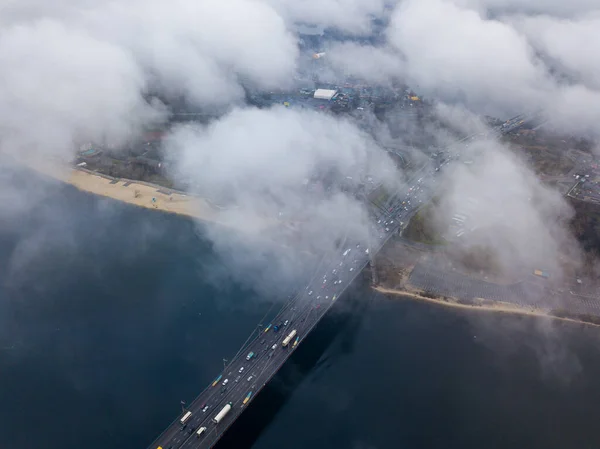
(287, 339)
(217, 419)
(185, 417)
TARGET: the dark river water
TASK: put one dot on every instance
(111, 315)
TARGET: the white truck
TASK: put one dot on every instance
(217, 419)
(185, 417)
(286, 340)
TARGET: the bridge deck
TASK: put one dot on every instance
(241, 380)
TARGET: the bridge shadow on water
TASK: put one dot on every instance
(342, 321)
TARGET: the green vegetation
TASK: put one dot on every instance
(423, 228)
(546, 152)
(379, 197)
(480, 258)
(585, 226)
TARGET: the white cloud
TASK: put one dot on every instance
(262, 160)
(353, 17)
(60, 85)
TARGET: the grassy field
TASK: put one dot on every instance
(379, 197)
(423, 228)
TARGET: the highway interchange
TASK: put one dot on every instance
(243, 377)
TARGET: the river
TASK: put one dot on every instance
(111, 315)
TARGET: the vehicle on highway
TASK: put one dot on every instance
(216, 381)
(241, 370)
(247, 398)
(217, 419)
(250, 378)
(185, 418)
(286, 322)
(274, 346)
(225, 382)
(250, 355)
(267, 328)
(287, 339)
(205, 408)
(201, 430)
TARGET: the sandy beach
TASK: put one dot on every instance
(137, 193)
(496, 306)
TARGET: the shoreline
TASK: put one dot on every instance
(494, 306)
(136, 193)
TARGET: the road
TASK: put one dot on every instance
(243, 378)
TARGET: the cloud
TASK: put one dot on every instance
(467, 57)
(282, 170)
(352, 17)
(509, 211)
(80, 71)
(568, 42)
(535, 7)
(494, 57)
(511, 222)
(202, 50)
(83, 71)
(379, 65)
(61, 85)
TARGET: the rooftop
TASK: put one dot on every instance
(324, 94)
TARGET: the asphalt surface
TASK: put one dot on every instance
(530, 292)
(244, 378)
(449, 283)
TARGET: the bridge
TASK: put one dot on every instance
(215, 409)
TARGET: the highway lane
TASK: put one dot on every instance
(302, 313)
(216, 396)
(332, 276)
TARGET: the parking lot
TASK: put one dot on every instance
(430, 278)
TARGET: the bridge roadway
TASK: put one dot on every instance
(243, 378)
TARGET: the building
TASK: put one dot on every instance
(324, 94)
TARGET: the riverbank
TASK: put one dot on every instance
(137, 193)
(481, 305)
(142, 194)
